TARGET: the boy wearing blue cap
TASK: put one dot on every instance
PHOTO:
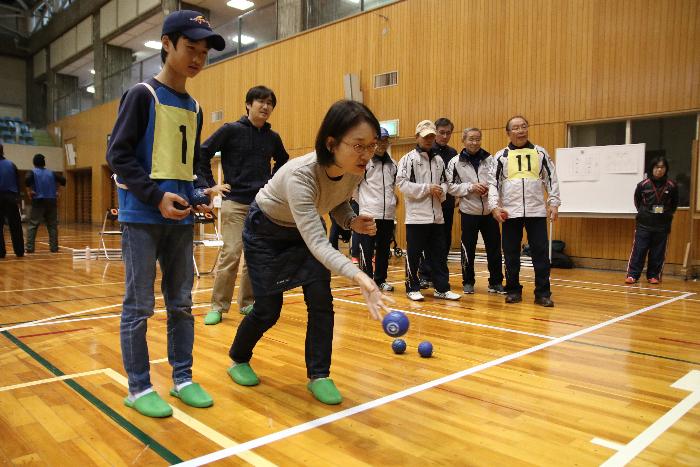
(152, 151)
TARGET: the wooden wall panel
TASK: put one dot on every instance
(475, 61)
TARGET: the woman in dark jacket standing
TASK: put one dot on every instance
(656, 199)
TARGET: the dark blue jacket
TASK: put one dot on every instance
(8, 176)
(246, 152)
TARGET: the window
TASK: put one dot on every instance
(671, 137)
(386, 79)
(598, 134)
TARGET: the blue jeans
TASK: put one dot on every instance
(171, 246)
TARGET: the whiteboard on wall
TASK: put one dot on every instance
(599, 179)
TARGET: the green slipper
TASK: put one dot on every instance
(213, 317)
(193, 395)
(247, 309)
(243, 374)
(150, 405)
(325, 391)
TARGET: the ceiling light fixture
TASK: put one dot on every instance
(90, 89)
(92, 72)
(153, 45)
(245, 40)
(240, 4)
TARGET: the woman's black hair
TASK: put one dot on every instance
(174, 37)
(656, 160)
(341, 118)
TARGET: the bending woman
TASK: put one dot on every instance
(285, 243)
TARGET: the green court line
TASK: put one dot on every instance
(121, 421)
(635, 352)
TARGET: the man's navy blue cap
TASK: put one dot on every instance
(383, 133)
(194, 26)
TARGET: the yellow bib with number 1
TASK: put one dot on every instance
(523, 163)
(173, 143)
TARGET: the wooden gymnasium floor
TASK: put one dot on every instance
(610, 375)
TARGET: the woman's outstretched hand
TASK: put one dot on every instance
(377, 302)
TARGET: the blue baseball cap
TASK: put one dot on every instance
(383, 133)
(193, 25)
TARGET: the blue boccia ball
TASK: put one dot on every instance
(395, 324)
(199, 197)
(425, 349)
(398, 346)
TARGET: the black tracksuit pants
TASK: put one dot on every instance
(536, 228)
(380, 243)
(448, 211)
(653, 244)
(10, 210)
(487, 225)
(429, 238)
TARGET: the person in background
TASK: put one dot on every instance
(43, 189)
(656, 199)
(421, 178)
(247, 146)
(518, 179)
(468, 179)
(377, 199)
(441, 148)
(9, 205)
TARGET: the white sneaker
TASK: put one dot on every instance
(449, 295)
(386, 287)
(415, 296)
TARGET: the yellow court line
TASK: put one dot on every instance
(50, 380)
(199, 427)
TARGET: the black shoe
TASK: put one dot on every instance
(514, 298)
(544, 301)
(424, 284)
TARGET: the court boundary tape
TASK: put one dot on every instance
(186, 419)
(277, 436)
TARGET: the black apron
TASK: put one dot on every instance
(277, 257)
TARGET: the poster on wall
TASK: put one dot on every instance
(70, 154)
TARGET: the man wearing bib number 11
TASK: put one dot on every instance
(152, 151)
(517, 181)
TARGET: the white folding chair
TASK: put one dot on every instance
(203, 218)
(112, 215)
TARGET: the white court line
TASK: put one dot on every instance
(255, 443)
(50, 380)
(62, 287)
(625, 286)
(90, 318)
(67, 315)
(198, 426)
(458, 321)
(50, 321)
(607, 444)
(627, 452)
(194, 424)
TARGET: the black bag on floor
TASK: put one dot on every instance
(559, 258)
